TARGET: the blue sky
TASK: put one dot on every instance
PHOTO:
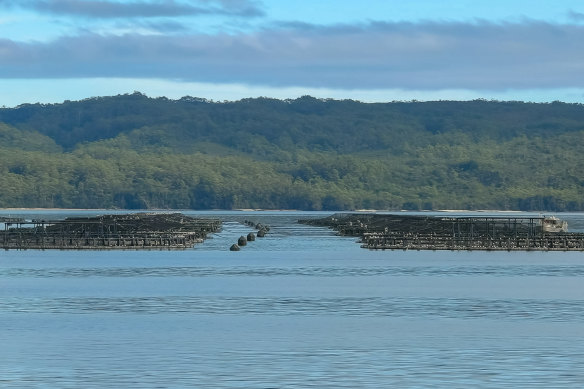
(369, 50)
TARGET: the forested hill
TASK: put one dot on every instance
(131, 151)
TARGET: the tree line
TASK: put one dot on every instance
(131, 151)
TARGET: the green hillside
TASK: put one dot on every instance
(131, 151)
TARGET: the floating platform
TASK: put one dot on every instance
(417, 232)
(124, 231)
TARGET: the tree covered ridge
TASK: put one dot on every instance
(131, 151)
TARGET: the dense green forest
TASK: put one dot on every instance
(132, 151)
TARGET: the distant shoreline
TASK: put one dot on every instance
(164, 210)
(276, 210)
(60, 209)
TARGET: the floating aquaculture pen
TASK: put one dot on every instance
(417, 232)
(124, 231)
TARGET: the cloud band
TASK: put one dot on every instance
(375, 55)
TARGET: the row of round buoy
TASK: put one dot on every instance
(257, 226)
(262, 230)
(242, 241)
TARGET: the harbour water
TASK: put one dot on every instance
(299, 308)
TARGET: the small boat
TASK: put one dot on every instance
(553, 224)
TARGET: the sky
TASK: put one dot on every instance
(367, 50)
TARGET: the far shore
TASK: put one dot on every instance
(271, 210)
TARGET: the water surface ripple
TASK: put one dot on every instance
(460, 308)
(312, 271)
(300, 308)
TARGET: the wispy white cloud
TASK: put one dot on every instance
(139, 8)
(426, 56)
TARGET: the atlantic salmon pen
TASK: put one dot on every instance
(125, 231)
(419, 232)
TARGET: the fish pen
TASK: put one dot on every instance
(417, 232)
(124, 231)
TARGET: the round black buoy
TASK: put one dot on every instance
(250, 237)
(242, 241)
(234, 247)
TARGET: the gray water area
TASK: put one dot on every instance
(299, 308)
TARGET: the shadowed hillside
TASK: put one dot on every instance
(131, 151)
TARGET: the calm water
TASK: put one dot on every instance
(299, 308)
